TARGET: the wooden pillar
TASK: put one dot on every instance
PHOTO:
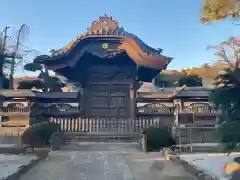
(178, 103)
(179, 106)
(132, 101)
(176, 110)
(182, 105)
(80, 98)
(84, 103)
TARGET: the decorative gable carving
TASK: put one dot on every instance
(104, 24)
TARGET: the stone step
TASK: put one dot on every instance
(101, 146)
(4, 139)
(11, 149)
(99, 137)
(100, 140)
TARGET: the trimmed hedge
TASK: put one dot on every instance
(40, 134)
(158, 138)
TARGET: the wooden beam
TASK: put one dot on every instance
(156, 95)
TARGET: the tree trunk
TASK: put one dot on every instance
(46, 80)
(12, 73)
(1, 71)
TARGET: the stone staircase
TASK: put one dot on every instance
(100, 137)
(4, 139)
(10, 144)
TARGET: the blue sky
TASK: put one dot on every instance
(173, 25)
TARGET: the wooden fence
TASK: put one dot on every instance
(14, 119)
(19, 119)
(13, 128)
(189, 135)
(111, 125)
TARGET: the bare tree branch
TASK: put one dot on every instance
(233, 44)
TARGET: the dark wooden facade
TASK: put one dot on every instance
(110, 90)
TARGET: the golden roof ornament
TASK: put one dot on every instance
(104, 23)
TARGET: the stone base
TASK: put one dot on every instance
(56, 142)
(143, 143)
(11, 149)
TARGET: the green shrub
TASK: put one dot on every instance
(229, 135)
(40, 134)
(158, 138)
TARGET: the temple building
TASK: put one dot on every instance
(109, 63)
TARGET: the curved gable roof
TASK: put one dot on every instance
(107, 27)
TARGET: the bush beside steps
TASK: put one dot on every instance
(158, 138)
(40, 135)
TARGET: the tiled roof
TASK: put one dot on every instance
(10, 94)
(147, 87)
(150, 88)
(27, 78)
(201, 92)
(18, 79)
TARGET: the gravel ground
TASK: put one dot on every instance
(111, 162)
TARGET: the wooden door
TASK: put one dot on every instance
(109, 101)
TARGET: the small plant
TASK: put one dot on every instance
(40, 134)
(158, 138)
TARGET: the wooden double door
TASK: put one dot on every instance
(107, 101)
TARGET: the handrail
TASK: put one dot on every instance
(14, 128)
(200, 109)
(155, 110)
(14, 109)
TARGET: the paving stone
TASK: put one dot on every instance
(114, 162)
(10, 164)
(212, 165)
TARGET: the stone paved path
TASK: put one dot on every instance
(10, 163)
(110, 162)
